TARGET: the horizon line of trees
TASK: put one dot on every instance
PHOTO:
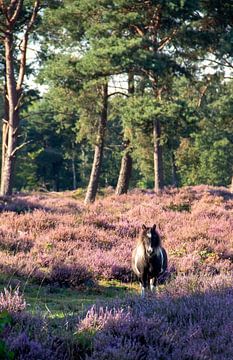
(170, 125)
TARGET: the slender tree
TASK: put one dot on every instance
(99, 147)
(13, 24)
(126, 161)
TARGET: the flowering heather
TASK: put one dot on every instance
(195, 325)
(195, 224)
(55, 239)
(12, 301)
(32, 338)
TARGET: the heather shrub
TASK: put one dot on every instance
(15, 242)
(12, 301)
(65, 243)
(17, 205)
(195, 224)
(26, 349)
(193, 325)
(73, 275)
(36, 338)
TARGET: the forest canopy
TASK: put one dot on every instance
(115, 93)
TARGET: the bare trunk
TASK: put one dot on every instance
(13, 89)
(158, 159)
(98, 156)
(74, 172)
(125, 174)
(126, 161)
(174, 172)
(231, 187)
(5, 127)
(11, 122)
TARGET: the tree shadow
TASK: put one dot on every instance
(226, 194)
(20, 206)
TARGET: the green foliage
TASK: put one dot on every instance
(5, 320)
(85, 43)
(207, 156)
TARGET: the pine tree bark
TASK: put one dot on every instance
(158, 157)
(125, 173)
(11, 122)
(98, 155)
(13, 87)
(126, 161)
(74, 171)
(174, 172)
(231, 187)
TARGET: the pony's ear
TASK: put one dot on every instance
(143, 227)
(154, 227)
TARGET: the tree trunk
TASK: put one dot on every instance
(174, 171)
(158, 159)
(126, 161)
(125, 173)
(74, 171)
(13, 89)
(98, 156)
(5, 126)
(11, 122)
(231, 187)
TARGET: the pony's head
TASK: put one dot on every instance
(150, 238)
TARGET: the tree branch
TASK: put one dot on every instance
(167, 39)
(118, 93)
(225, 63)
(24, 44)
(138, 30)
(202, 94)
(15, 15)
(20, 147)
(19, 101)
(11, 5)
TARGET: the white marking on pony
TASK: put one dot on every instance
(140, 254)
(150, 249)
(148, 235)
(152, 287)
(142, 291)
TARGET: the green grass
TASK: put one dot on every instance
(58, 302)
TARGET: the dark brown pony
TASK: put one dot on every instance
(149, 258)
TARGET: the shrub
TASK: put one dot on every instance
(66, 275)
(12, 301)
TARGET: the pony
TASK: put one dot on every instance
(149, 258)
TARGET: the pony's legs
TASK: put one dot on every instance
(142, 290)
(144, 282)
(153, 283)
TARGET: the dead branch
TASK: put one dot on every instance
(20, 147)
(167, 39)
(19, 101)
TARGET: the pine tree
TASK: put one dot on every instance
(13, 22)
(126, 161)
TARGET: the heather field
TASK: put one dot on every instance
(68, 288)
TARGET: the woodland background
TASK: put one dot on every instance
(115, 93)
